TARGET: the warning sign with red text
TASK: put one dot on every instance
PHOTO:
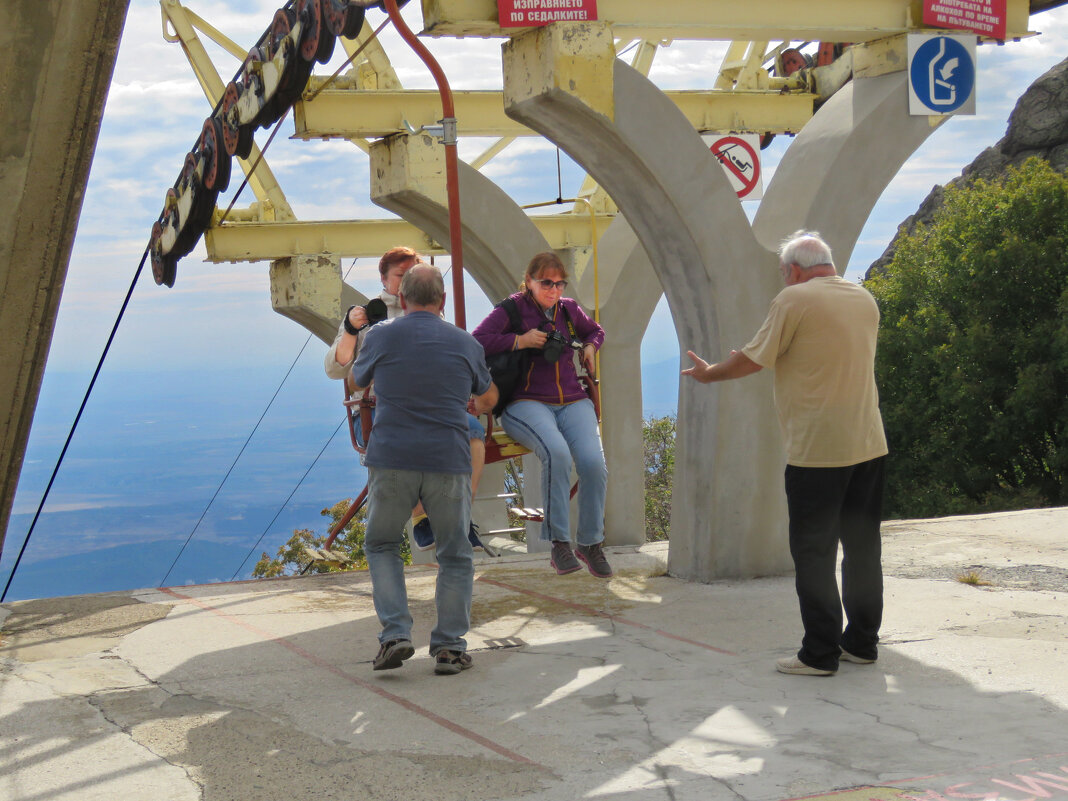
(534, 13)
(984, 17)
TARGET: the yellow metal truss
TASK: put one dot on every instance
(257, 241)
(351, 113)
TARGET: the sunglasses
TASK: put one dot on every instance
(549, 284)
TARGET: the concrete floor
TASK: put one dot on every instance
(642, 687)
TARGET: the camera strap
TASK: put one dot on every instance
(567, 320)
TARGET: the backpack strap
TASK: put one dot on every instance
(512, 309)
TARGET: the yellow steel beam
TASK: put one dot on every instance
(256, 241)
(369, 115)
(753, 20)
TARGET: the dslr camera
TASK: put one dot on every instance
(555, 344)
(375, 310)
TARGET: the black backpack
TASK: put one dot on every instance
(509, 367)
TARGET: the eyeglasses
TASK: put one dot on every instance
(549, 284)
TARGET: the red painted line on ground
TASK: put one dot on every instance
(589, 610)
(366, 685)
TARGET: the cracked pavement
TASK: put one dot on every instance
(641, 687)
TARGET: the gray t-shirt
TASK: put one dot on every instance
(424, 370)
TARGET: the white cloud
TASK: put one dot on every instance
(155, 109)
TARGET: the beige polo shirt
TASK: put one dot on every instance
(819, 337)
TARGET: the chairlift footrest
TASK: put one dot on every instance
(530, 515)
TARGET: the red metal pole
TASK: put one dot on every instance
(452, 175)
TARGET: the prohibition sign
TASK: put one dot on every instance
(741, 162)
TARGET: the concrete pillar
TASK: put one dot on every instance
(407, 177)
(307, 290)
(728, 513)
(838, 166)
(629, 292)
(56, 61)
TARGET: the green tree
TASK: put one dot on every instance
(292, 558)
(658, 445)
(973, 351)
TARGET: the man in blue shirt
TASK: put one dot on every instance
(425, 371)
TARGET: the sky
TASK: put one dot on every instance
(153, 116)
(213, 342)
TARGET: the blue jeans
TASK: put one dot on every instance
(558, 434)
(446, 498)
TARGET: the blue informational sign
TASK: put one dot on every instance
(941, 75)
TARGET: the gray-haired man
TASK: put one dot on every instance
(819, 336)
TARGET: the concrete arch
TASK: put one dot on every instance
(499, 240)
(838, 166)
(728, 517)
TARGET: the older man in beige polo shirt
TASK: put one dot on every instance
(819, 337)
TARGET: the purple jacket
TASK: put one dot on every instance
(548, 382)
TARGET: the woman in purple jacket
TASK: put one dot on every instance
(550, 412)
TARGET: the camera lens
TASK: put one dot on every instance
(554, 346)
(376, 311)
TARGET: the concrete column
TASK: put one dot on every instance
(629, 292)
(307, 290)
(838, 166)
(408, 178)
(499, 239)
(728, 511)
(56, 61)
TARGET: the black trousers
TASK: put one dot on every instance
(829, 505)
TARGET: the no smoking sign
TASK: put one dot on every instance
(739, 155)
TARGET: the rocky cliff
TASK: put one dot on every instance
(1038, 126)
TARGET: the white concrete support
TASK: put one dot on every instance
(307, 290)
(408, 178)
(629, 292)
(56, 60)
(499, 239)
(838, 166)
(728, 513)
(728, 510)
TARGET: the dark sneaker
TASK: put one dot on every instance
(593, 556)
(563, 559)
(448, 663)
(423, 536)
(856, 660)
(392, 654)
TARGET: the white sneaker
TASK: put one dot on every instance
(856, 660)
(794, 666)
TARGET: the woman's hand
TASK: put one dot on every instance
(589, 355)
(531, 339)
(357, 317)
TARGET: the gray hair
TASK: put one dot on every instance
(806, 249)
(423, 285)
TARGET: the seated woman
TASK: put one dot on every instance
(550, 412)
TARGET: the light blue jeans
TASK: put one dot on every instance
(446, 498)
(557, 434)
